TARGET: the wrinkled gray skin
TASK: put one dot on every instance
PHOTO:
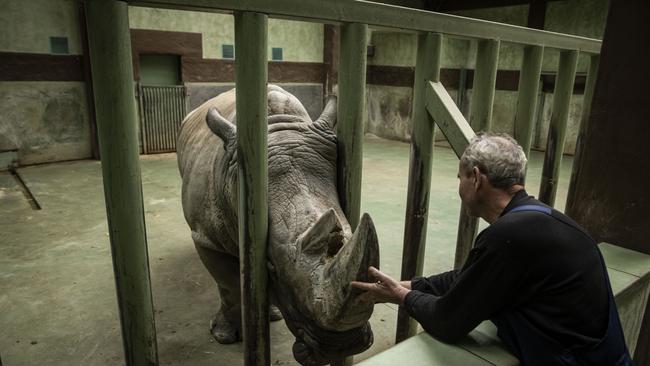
(312, 252)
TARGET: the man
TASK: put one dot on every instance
(536, 274)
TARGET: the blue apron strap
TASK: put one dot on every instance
(538, 208)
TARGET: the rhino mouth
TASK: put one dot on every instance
(328, 317)
(315, 346)
(326, 349)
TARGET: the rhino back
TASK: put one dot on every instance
(201, 161)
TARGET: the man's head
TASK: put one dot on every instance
(492, 165)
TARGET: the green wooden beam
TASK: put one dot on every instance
(459, 133)
(449, 118)
(485, 76)
(351, 112)
(252, 151)
(427, 68)
(384, 15)
(590, 86)
(557, 129)
(112, 74)
(531, 69)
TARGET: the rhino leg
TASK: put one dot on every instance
(224, 268)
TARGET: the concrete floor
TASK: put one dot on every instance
(57, 293)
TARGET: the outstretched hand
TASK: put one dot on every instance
(384, 289)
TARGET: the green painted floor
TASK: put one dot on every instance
(57, 294)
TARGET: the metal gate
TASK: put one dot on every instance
(162, 108)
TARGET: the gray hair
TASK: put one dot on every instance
(498, 156)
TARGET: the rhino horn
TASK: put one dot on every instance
(360, 252)
(325, 236)
(351, 264)
(220, 126)
(328, 117)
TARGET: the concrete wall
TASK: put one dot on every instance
(48, 120)
(45, 121)
(300, 41)
(26, 26)
(53, 115)
(580, 17)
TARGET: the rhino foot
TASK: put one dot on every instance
(223, 330)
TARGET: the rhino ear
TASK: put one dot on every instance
(220, 126)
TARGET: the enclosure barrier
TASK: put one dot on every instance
(251, 104)
(112, 73)
(111, 62)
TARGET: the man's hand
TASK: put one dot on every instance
(385, 289)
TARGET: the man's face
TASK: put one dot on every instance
(467, 189)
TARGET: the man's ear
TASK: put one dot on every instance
(477, 177)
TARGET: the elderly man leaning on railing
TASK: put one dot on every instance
(536, 274)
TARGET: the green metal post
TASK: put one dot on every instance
(531, 70)
(349, 130)
(557, 129)
(351, 111)
(590, 86)
(485, 77)
(427, 68)
(251, 95)
(112, 73)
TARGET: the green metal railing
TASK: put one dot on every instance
(111, 61)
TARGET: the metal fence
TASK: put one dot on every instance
(162, 108)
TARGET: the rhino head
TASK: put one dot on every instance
(312, 252)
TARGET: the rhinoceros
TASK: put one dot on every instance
(312, 252)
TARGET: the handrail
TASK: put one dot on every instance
(384, 15)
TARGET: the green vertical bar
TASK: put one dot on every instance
(351, 111)
(557, 129)
(349, 129)
(251, 95)
(427, 68)
(112, 72)
(590, 86)
(531, 70)
(485, 77)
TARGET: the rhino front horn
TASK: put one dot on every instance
(359, 253)
(351, 264)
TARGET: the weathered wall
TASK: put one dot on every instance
(300, 41)
(45, 121)
(581, 17)
(26, 26)
(48, 120)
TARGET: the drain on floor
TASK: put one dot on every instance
(26, 192)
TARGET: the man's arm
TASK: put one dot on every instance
(489, 282)
(435, 285)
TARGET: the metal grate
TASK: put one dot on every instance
(162, 108)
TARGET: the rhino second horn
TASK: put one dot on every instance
(325, 236)
(328, 117)
(220, 126)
